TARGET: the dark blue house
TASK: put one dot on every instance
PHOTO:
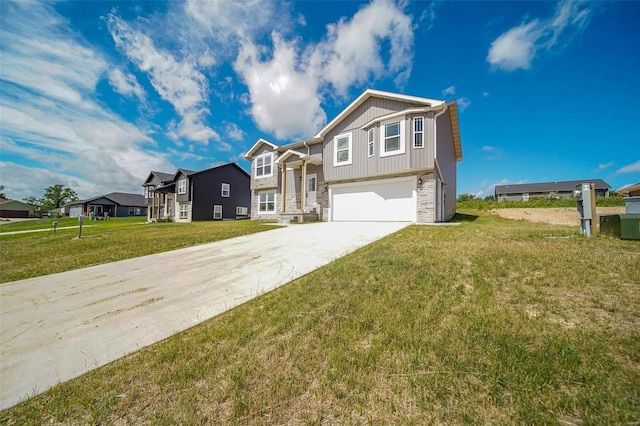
(115, 204)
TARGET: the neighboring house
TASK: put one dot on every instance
(219, 193)
(16, 209)
(386, 157)
(562, 189)
(630, 190)
(115, 204)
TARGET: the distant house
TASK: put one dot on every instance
(16, 209)
(115, 204)
(630, 190)
(561, 189)
(218, 193)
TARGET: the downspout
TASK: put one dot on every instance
(304, 174)
(435, 154)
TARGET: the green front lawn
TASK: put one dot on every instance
(41, 253)
(490, 322)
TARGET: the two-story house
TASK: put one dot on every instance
(386, 157)
(218, 193)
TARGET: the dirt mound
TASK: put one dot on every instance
(553, 216)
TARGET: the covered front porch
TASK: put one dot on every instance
(299, 187)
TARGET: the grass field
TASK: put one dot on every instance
(490, 322)
(40, 253)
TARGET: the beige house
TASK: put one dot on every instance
(386, 157)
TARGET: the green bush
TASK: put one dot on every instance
(479, 204)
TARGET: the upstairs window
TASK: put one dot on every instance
(226, 189)
(342, 149)
(418, 132)
(182, 186)
(370, 138)
(392, 138)
(264, 167)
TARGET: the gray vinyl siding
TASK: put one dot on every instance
(421, 158)
(294, 184)
(447, 161)
(362, 165)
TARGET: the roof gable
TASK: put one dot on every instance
(161, 177)
(220, 169)
(254, 148)
(369, 93)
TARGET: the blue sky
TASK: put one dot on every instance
(95, 94)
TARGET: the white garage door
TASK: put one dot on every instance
(388, 200)
(75, 211)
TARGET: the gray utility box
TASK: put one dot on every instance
(632, 205)
(585, 195)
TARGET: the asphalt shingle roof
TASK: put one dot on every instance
(567, 185)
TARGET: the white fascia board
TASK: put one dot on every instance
(378, 94)
(395, 115)
(289, 153)
(249, 154)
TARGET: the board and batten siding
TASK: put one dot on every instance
(446, 157)
(364, 166)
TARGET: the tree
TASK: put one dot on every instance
(2, 194)
(56, 196)
(466, 197)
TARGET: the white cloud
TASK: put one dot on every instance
(284, 101)
(629, 168)
(125, 84)
(428, 16)
(451, 90)
(463, 103)
(601, 167)
(351, 54)
(492, 152)
(234, 132)
(48, 117)
(519, 46)
(177, 81)
(286, 88)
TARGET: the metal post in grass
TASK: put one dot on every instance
(55, 225)
(80, 220)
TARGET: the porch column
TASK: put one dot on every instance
(284, 188)
(303, 187)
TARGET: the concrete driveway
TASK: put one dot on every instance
(60, 326)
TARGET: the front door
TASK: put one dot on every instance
(310, 195)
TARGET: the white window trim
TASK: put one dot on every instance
(217, 211)
(242, 211)
(264, 156)
(402, 149)
(182, 186)
(414, 133)
(186, 211)
(275, 202)
(335, 150)
(371, 138)
(228, 190)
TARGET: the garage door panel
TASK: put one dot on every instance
(384, 200)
